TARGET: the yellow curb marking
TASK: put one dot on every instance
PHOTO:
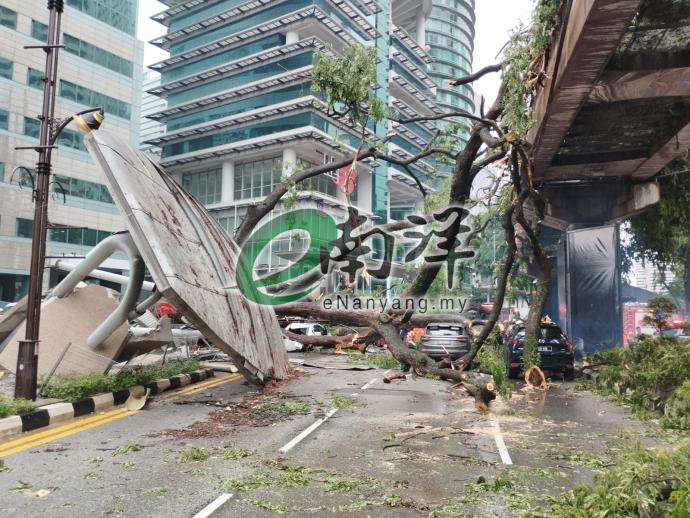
(31, 441)
(198, 387)
(40, 438)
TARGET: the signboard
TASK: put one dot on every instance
(191, 258)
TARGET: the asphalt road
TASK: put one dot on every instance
(408, 448)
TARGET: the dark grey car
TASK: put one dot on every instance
(441, 340)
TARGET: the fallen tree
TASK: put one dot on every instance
(348, 341)
(494, 134)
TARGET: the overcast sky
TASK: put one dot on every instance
(495, 20)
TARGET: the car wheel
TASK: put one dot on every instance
(569, 374)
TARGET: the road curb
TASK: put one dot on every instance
(50, 414)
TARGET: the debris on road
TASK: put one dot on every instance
(71, 320)
(394, 376)
(535, 378)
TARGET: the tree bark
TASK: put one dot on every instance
(536, 310)
(519, 196)
(686, 280)
(348, 341)
(461, 187)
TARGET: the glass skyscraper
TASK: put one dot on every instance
(241, 114)
(450, 37)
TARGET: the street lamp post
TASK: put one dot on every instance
(27, 357)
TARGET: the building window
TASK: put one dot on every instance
(8, 18)
(87, 97)
(229, 224)
(6, 68)
(39, 31)
(76, 235)
(256, 179)
(25, 228)
(86, 50)
(72, 139)
(4, 121)
(34, 78)
(32, 128)
(82, 189)
(205, 187)
(2, 171)
(121, 14)
(63, 234)
(68, 138)
(322, 183)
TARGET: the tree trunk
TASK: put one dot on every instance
(686, 280)
(519, 196)
(536, 310)
(501, 286)
(349, 341)
(461, 188)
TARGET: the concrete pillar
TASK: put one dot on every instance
(364, 187)
(421, 29)
(228, 182)
(289, 161)
(291, 37)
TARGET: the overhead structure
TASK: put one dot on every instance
(191, 258)
(614, 109)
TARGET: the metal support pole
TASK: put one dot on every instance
(54, 368)
(27, 359)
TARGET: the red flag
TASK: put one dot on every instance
(346, 179)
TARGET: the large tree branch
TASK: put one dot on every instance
(386, 326)
(256, 212)
(506, 266)
(485, 124)
(477, 75)
(460, 190)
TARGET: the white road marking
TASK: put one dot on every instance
(500, 444)
(372, 381)
(369, 384)
(294, 442)
(213, 506)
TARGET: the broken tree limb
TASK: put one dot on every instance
(481, 387)
(506, 265)
(348, 341)
(483, 395)
(535, 378)
(394, 376)
(477, 75)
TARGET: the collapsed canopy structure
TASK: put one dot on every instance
(190, 257)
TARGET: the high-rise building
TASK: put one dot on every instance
(150, 104)
(645, 275)
(101, 65)
(241, 113)
(450, 37)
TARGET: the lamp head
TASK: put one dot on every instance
(90, 121)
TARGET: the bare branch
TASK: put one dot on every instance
(477, 75)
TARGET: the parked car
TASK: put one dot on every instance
(302, 328)
(679, 334)
(442, 340)
(554, 348)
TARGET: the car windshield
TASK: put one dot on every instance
(551, 333)
(436, 328)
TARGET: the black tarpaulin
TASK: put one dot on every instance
(594, 283)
